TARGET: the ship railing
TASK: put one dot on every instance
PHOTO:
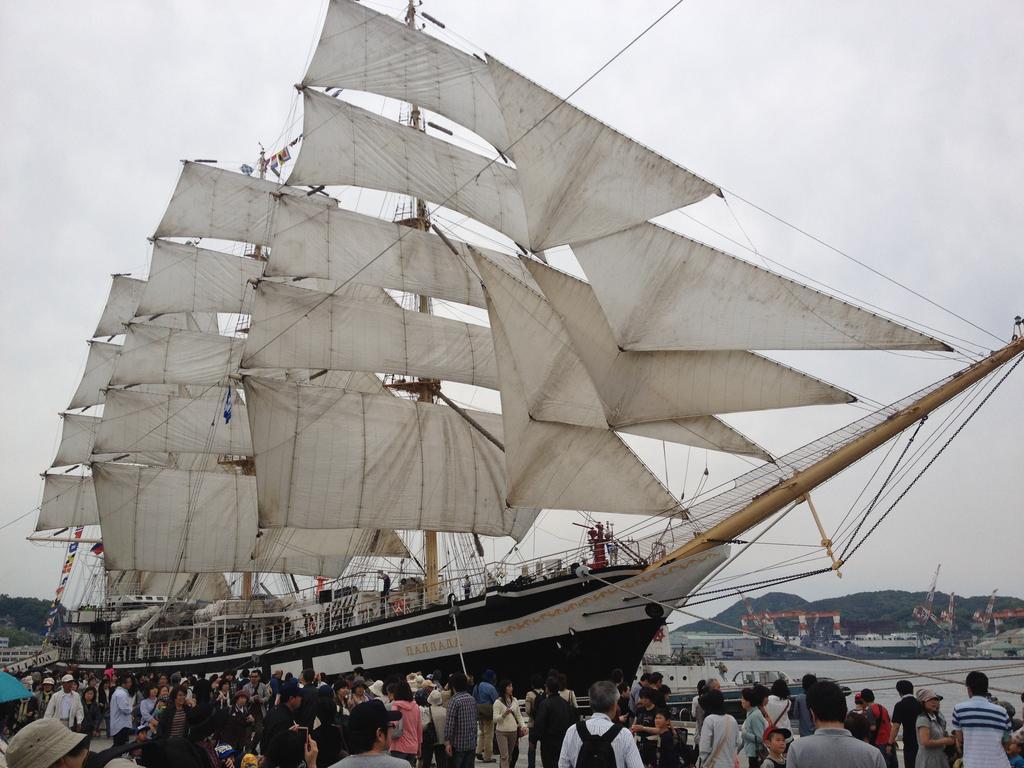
(357, 600)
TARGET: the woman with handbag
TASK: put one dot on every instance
(508, 722)
(754, 725)
(932, 738)
(720, 739)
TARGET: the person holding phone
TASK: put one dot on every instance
(283, 738)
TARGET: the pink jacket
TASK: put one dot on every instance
(412, 728)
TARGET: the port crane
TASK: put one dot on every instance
(923, 613)
(984, 618)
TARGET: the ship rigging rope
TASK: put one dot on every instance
(892, 471)
(817, 651)
(842, 534)
(851, 547)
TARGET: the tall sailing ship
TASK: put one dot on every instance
(279, 400)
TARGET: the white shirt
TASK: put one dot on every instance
(777, 711)
(626, 753)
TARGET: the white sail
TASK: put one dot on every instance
(555, 383)
(122, 302)
(367, 51)
(700, 432)
(185, 278)
(580, 178)
(68, 500)
(296, 328)
(639, 387)
(341, 245)
(663, 291)
(320, 552)
(77, 435)
(155, 355)
(566, 466)
(343, 144)
(122, 307)
(204, 587)
(173, 521)
(200, 586)
(99, 367)
(135, 421)
(212, 202)
(329, 458)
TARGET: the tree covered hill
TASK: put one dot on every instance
(882, 611)
(22, 619)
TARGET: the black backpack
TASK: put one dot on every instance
(596, 749)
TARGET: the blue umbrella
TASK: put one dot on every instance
(11, 688)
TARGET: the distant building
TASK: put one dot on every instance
(10, 655)
(1009, 644)
(721, 646)
(5, 642)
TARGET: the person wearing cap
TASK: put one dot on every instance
(281, 742)
(238, 727)
(47, 743)
(904, 716)
(932, 736)
(437, 714)
(44, 694)
(776, 740)
(831, 745)
(358, 695)
(369, 727)
(66, 705)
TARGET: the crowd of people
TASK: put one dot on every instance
(982, 732)
(418, 721)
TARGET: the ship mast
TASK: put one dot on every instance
(797, 486)
(427, 389)
(247, 576)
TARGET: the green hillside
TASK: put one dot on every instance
(883, 611)
(22, 619)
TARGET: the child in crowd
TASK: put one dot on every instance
(776, 741)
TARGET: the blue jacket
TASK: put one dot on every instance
(485, 693)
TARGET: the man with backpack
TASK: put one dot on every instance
(599, 742)
(879, 725)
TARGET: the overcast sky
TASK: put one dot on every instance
(889, 131)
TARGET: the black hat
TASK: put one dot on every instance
(371, 715)
(289, 689)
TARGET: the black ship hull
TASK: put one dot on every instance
(580, 626)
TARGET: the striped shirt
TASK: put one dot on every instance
(985, 726)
